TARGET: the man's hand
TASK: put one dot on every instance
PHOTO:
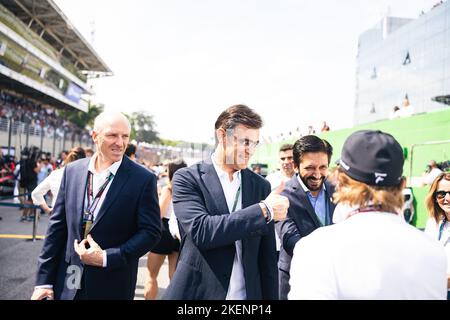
(278, 203)
(92, 256)
(41, 293)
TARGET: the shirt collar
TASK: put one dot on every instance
(305, 188)
(221, 173)
(112, 168)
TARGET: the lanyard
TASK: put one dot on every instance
(236, 198)
(368, 209)
(441, 228)
(88, 216)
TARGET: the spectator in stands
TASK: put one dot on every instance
(325, 127)
(53, 182)
(131, 151)
(311, 130)
(168, 245)
(406, 110)
(395, 113)
(438, 225)
(432, 172)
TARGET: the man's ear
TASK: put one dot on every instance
(220, 135)
(403, 183)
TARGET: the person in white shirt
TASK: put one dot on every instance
(372, 253)
(279, 177)
(53, 182)
(407, 110)
(432, 173)
(286, 171)
(438, 226)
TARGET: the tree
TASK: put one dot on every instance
(83, 119)
(143, 127)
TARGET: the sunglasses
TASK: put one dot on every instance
(441, 194)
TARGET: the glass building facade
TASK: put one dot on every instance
(404, 58)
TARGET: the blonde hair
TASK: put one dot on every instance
(359, 194)
(434, 210)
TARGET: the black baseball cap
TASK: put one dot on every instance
(372, 157)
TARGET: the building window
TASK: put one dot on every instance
(407, 59)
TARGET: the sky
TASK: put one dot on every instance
(184, 62)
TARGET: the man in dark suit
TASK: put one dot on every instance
(110, 204)
(310, 198)
(226, 219)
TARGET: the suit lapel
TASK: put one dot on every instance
(213, 186)
(304, 201)
(80, 181)
(117, 184)
(247, 193)
(331, 205)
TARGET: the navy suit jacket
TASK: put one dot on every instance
(127, 226)
(301, 220)
(209, 233)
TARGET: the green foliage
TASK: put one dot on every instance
(143, 127)
(83, 119)
(171, 143)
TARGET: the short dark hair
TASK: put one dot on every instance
(131, 149)
(286, 147)
(239, 114)
(311, 143)
(173, 166)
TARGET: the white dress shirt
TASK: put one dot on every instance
(432, 229)
(370, 255)
(99, 179)
(51, 183)
(236, 288)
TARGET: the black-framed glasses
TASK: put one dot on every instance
(441, 194)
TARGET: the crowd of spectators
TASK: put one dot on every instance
(39, 117)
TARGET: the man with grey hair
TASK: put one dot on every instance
(105, 218)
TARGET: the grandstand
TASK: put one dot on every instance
(45, 64)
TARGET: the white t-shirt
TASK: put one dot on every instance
(370, 255)
(429, 178)
(432, 229)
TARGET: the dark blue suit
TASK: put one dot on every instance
(127, 226)
(209, 233)
(301, 220)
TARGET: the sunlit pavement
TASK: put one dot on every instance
(18, 258)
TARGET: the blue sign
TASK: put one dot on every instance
(74, 92)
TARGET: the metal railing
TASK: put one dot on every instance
(24, 206)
